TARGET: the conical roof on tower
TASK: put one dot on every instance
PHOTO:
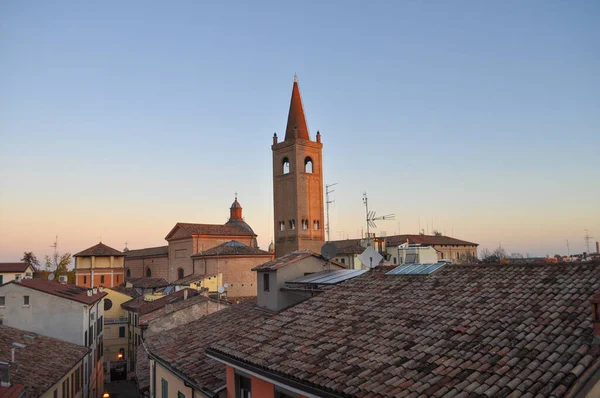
(296, 124)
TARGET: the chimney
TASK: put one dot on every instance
(185, 294)
(274, 138)
(4, 374)
(595, 301)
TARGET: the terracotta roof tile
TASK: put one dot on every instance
(233, 248)
(13, 267)
(143, 306)
(43, 361)
(148, 282)
(148, 252)
(291, 258)
(212, 229)
(64, 290)
(182, 348)
(487, 326)
(100, 250)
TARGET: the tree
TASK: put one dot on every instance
(30, 259)
(58, 263)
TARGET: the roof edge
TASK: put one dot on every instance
(305, 387)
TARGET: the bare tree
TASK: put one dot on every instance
(30, 259)
(58, 263)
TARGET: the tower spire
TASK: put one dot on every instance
(296, 124)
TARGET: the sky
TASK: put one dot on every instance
(477, 119)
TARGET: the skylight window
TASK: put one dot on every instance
(416, 269)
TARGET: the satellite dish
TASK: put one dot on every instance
(370, 257)
(226, 285)
(329, 251)
(221, 289)
(51, 277)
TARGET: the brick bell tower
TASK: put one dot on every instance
(297, 184)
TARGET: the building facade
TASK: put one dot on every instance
(99, 265)
(116, 329)
(14, 271)
(65, 312)
(297, 184)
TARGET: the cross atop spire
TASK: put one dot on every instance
(296, 124)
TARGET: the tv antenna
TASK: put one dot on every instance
(327, 202)
(55, 244)
(568, 249)
(372, 216)
(587, 239)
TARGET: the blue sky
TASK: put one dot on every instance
(118, 119)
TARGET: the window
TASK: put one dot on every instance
(286, 166)
(316, 224)
(164, 385)
(343, 261)
(266, 282)
(292, 224)
(148, 272)
(84, 279)
(394, 260)
(118, 276)
(85, 342)
(17, 277)
(281, 225)
(55, 393)
(65, 389)
(243, 387)
(2, 301)
(305, 224)
(281, 394)
(101, 278)
(1, 279)
(25, 300)
(308, 165)
(128, 272)
(121, 331)
(180, 394)
(179, 273)
(28, 274)
(107, 304)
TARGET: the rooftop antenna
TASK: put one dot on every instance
(327, 202)
(372, 217)
(340, 234)
(55, 244)
(587, 239)
(568, 249)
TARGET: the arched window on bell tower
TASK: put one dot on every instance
(286, 166)
(308, 165)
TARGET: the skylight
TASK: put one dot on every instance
(416, 269)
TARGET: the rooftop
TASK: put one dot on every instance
(488, 330)
(353, 246)
(150, 251)
(64, 290)
(175, 305)
(99, 250)
(182, 348)
(13, 267)
(43, 361)
(190, 229)
(191, 278)
(232, 248)
(128, 291)
(147, 282)
(291, 258)
(143, 306)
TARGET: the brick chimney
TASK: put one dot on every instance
(595, 301)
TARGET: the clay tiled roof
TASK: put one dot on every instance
(142, 369)
(191, 278)
(43, 362)
(175, 305)
(150, 251)
(13, 267)
(232, 248)
(397, 240)
(14, 391)
(99, 250)
(64, 290)
(296, 124)
(211, 229)
(289, 259)
(349, 246)
(462, 331)
(148, 282)
(128, 291)
(182, 348)
(142, 306)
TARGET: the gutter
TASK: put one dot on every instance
(297, 386)
(585, 382)
(186, 380)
